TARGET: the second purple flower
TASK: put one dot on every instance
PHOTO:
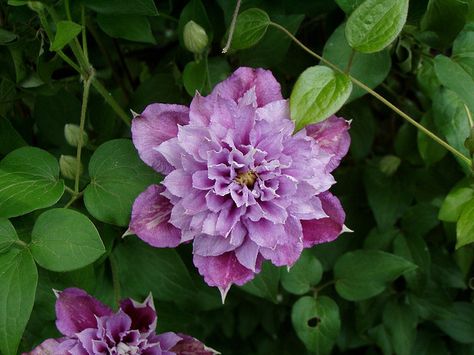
(239, 185)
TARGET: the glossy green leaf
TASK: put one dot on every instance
(362, 274)
(371, 69)
(400, 322)
(130, 27)
(460, 325)
(65, 240)
(306, 272)
(349, 5)
(317, 323)
(8, 235)
(143, 269)
(455, 201)
(375, 24)
(265, 284)
(195, 77)
(66, 31)
(7, 36)
(124, 7)
(250, 28)
(318, 93)
(10, 139)
(430, 151)
(18, 277)
(465, 225)
(29, 180)
(117, 177)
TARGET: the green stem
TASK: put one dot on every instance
(20, 244)
(208, 76)
(69, 190)
(115, 277)
(85, 49)
(379, 97)
(232, 27)
(68, 10)
(349, 63)
(111, 101)
(85, 98)
(469, 117)
(73, 199)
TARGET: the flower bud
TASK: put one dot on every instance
(389, 164)
(69, 165)
(195, 37)
(35, 6)
(73, 135)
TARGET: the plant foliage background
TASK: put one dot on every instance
(396, 285)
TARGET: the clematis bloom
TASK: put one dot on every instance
(240, 184)
(89, 328)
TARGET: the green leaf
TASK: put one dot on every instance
(454, 77)
(117, 177)
(362, 274)
(306, 272)
(10, 139)
(349, 5)
(143, 269)
(8, 235)
(65, 240)
(317, 323)
(400, 322)
(130, 27)
(455, 201)
(420, 219)
(194, 11)
(124, 7)
(66, 31)
(430, 151)
(194, 77)
(29, 180)
(265, 284)
(318, 93)
(250, 28)
(460, 326)
(7, 36)
(371, 69)
(18, 277)
(375, 24)
(465, 225)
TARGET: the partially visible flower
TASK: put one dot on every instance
(68, 166)
(240, 185)
(74, 135)
(89, 327)
(195, 37)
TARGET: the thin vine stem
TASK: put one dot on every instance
(469, 116)
(115, 278)
(379, 97)
(232, 27)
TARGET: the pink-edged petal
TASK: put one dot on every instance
(191, 346)
(76, 310)
(47, 347)
(247, 254)
(264, 233)
(333, 137)
(208, 245)
(86, 337)
(143, 315)
(267, 88)
(178, 182)
(157, 124)
(326, 229)
(201, 181)
(168, 340)
(150, 219)
(308, 209)
(201, 109)
(222, 271)
(289, 246)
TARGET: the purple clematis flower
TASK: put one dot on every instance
(91, 328)
(240, 184)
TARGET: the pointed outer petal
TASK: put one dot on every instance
(287, 186)
(76, 310)
(191, 346)
(209, 225)
(157, 124)
(273, 212)
(222, 271)
(277, 113)
(172, 152)
(47, 347)
(332, 136)
(178, 217)
(201, 109)
(168, 340)
(267, 89)
(195, 141)
(308, 209)
(247, 254)
(201, 180)
(178, 182)
(223, 117)
(326, 229)
(117, 324)
(208, 245)
(237, 234)
(194, 202)
(215, 202)
(289, 247)
(228, 217)
(143, 315)
(86, 338)
(150, 219)
(265, 233)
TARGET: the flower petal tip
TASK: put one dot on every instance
(345, 229)
(127, 233)
(224, 292)
(56, 292)
(134, 114)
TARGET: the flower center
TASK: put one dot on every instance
(124, 349)
(248, 178)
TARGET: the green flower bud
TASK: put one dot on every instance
(68, 166)
(73, 135)
(36, 6)
(195, 37)
(389, 164)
